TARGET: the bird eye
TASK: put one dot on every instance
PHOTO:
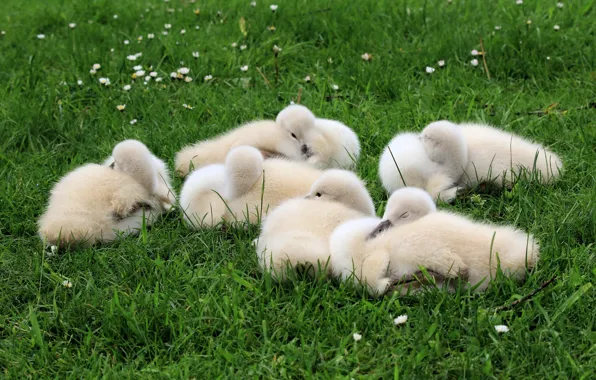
(404, 215)
(294, 136)
(318, 195)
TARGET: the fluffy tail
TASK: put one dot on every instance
(244, 166)
(200, 198)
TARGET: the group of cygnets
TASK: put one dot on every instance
(293, 176)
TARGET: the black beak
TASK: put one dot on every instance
(383, 226)
(112, 165)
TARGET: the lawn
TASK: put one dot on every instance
(182, 304)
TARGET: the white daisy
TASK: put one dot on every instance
(133, 121)
(498, 27)
(556, 28)
(366, 57)
(335, 87)
(195, 54)
(234, 44)
(242, 47)
(560, 5)
(273, 7)
(150, 36)
(183, 31)
(400, 320)
(72, 25)
(121, 107)
(153, 74)
(92, 71)
(474, 52)
(147, 78)
(188, 79)
(519, 2)
(501, 329)
(165, 32)
(132, 57)
(127, 87)
(96, 66)
(276, 49)
(356, 337)
(474, 62)
(126, 42)
(104, 81)
(429, 70)
(67, 284)
(115, 17)
(173, 75)
(244, 68)
(140, 73)
(441, 63)
(41, 36)
(137, 67)
(158, 79)
(184, 70)
(253, 3)
(307, 78)
(168, 26)
(187, 106)
(208, 78)
(80, 82)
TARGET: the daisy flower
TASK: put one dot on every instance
(188, 79)
(41, 36)
(335, 87)
(560, 5)
(556, 28)
(133, 121)
(273, 7)
(153, 74)
(276, 49)
(501, 329)
(115, 17)
(183, 31)
(72, 25)
(147, 78)
(187, 106)
(441, 63)
(150, 36)
(127, 87)
(67, 284)
(474, 62)
(184, 70)
(197, 11)
(498, 27)
(253, 3)
(429, 70)
(195, 54)
(126, 42)
(165, 32)
(242, 47)
(54, 249)
(208, 78)
(140, 73)
(356, 337)
(104, 81)
(244, 68)
(474, 52)
(400, 320)
(271, 28)
(158, 79)
(307, 78)
(366, 57)
(168, 26)
(121, 107)
(80, 82)
(132, 57)
(519, 2)
(234, 44)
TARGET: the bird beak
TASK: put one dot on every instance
(383, 226)
(112, 165)
(307, 196)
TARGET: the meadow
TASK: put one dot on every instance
(172, 303)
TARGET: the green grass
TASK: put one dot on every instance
(176, 303)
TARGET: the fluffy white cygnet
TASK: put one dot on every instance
(449, 156)
(285, 136)
(382, 253)
(246, 188)
(96, 203)
(297, 232)
(333, 145)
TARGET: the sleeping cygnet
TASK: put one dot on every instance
(297, 232)
(405, 162)
(97, 203)
(284, 136)
(332, 145)
(246, 188)
(382, 254)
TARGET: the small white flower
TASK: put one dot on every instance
(276, 49)
(273, 7)
(140, 38)
(335, 87)
(242, 47)
(501, 329)
(115, 17)
(253, 3)
(165, 32)
(41, 36)
(80, 82)
(158, 79)
(127, 87)
(195, 54)
(147, 78)
(560, 5)
(441, 63)
(307, 78)
(187, 106)
(548, 58)
(126, 42)
(366, 57)
(330, 60)
(356, 337)
(429, 70)
(92, 71)
(208, 78)
(137, 67)
(168, 26)
(184, 70)
(400, 320)
(132, 57)
(474, 62)
(67, 284)
(140, 73)
(529, 22)
(197, 27)
(121, 107)
(153, 74)
(3, 32)
(234, 44)
(474, 52)
(145, 83)
(519, 2)
(103, 81)
(498, 27)
(183, 31)
(150, 36)
(173, 75)
(111, 50)
(244, 68)
(556, 28)
(72, 25)
(54, 249)
(188, 79)
(96, 66)
(133, 121)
